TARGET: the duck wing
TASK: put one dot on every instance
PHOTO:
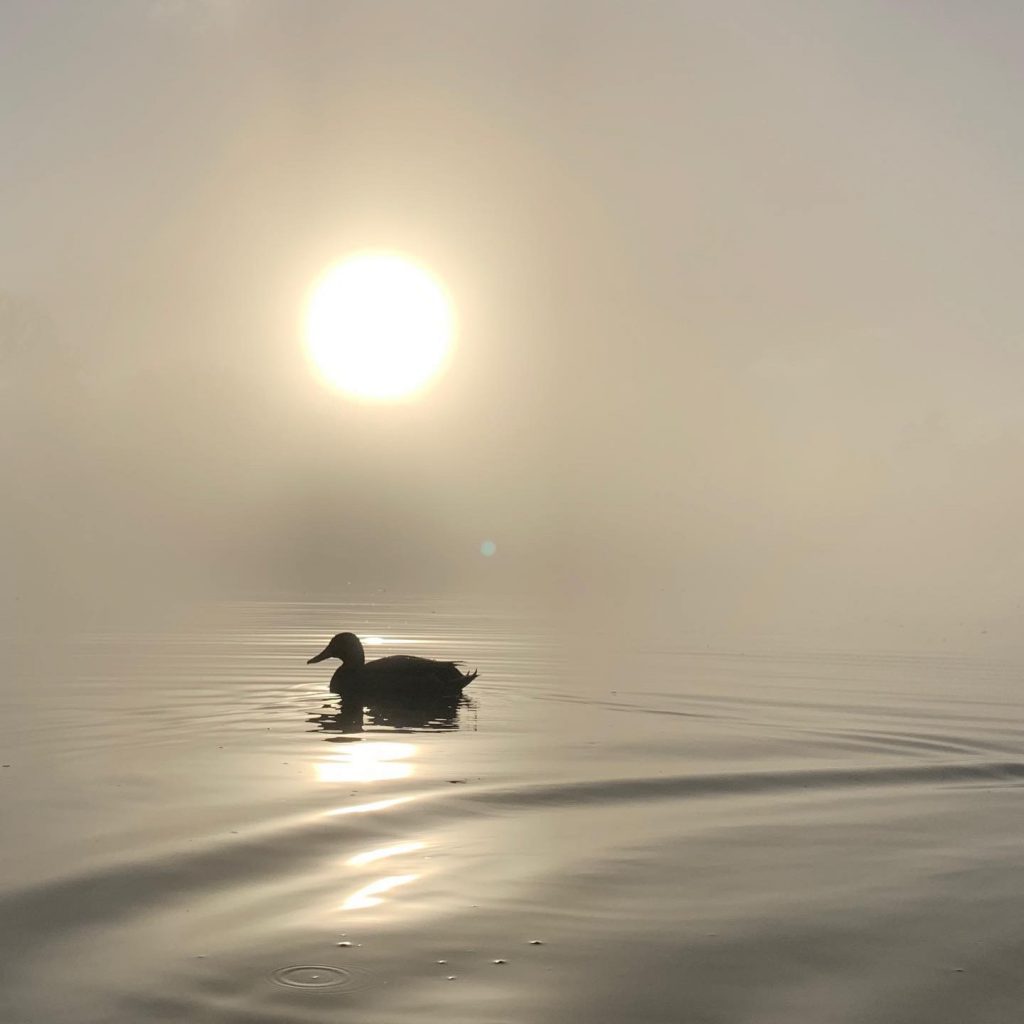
(408, 672)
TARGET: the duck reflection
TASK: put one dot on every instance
(435, 714)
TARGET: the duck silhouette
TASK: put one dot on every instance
(401, 677)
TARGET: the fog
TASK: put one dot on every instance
(736, 287)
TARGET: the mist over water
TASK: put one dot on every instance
(719, 489)
(732, 289)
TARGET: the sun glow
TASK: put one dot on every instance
(378, 326)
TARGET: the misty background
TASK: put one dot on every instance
(737, 288)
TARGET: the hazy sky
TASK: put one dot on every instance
(740, 325)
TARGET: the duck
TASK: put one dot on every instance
(398, 677)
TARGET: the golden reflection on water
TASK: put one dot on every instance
(372, 762)
(376, 805)
(394, 641)
(385, 851)
(367, 762)
(369, 895)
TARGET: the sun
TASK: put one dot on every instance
(378, 326)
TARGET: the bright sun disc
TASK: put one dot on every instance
(378, 326)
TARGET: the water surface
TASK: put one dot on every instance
(660, 831)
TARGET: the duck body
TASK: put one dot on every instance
(401, 677)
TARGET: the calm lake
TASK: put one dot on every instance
(659, 832)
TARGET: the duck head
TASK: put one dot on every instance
(347, 647)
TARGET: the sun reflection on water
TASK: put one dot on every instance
(372, 761)
(375, 805)
(369, 895)
(367, 762)
(370, 856)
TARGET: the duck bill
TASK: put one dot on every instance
(322, 656)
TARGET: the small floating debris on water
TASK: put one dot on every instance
(347, 945)
(442, 961)
(451, 977)
(536, 942)
(499, 961)
(456, 782)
